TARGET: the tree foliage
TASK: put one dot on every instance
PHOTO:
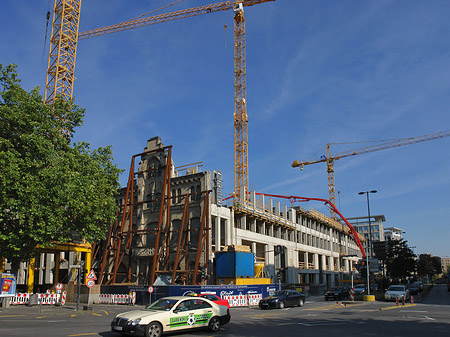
(50, 190)
(400, 260)
(428, 265)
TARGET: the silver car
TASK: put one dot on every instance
(397, 291)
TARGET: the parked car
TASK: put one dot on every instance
(337, 293)
(283, 298)
(395, 291)
(359, 289)
(170, 314)
(215, 299)
(420, 285)
(413, 288)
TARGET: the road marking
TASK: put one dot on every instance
(41, 317)
(106, 313)
(395, 307)
(321, 323)
(413, 310)
(97, 314)
(4, 316)
(85, 334)
(431, 319)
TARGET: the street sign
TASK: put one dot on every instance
(59, 286)
(150, 289)
(91, 275)
(90, 283)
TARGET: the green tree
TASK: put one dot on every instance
(50, 190)
(400, 260)
(428, 265)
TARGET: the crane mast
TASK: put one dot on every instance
(329, 158)
(63, 49)
(240, 107)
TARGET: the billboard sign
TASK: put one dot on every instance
(7, 285)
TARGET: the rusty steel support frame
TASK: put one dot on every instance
(166, 184)
(119, 242)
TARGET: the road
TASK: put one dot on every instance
(317, 318)
(439, 295)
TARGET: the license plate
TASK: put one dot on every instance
(118, 328)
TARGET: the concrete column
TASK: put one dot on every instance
(254, 248)
(261, 201)
(253, 225)
(243, 222)
(270, 205)
(285, 211)
(41, 268)
(316, 261)
(49, 258)
(230, 231)
(331, 264)
(277, 208)
(217, 224)
(252, 197)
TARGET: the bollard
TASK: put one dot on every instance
(412, 299)
(352, 294)
(396, 301)
(403, 300)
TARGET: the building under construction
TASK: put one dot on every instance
(172, 221)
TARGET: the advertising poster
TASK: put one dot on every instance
(7, 285)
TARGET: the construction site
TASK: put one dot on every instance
(175, 226)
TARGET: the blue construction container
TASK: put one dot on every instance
(235, 264)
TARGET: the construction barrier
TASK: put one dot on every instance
(412, 299)
(23, 298)
(253, 299)
(236, 300)
(117, 298)
(63, 297)
(352, 294)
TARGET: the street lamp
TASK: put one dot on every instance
(369, 243)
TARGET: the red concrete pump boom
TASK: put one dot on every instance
(353, 231)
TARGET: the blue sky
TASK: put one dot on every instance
(317, 72)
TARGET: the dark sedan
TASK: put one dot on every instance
(337, 293)
(283, 298)
(413, 288)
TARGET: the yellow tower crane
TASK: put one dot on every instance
(329, 159)
(63, 49)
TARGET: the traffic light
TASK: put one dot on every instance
(280, 276)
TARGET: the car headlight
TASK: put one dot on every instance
(134, 322)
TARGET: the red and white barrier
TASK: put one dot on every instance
(23, 298)
(63, 297)
(352, 294)
(253, 299)
(117, 298)
(20, 298)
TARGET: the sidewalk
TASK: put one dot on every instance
(68, 308)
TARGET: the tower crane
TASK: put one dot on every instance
(63, 48)
(329, 158)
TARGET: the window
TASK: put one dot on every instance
(200, 304)
(185, 306)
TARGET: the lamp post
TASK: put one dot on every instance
(369, 243)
